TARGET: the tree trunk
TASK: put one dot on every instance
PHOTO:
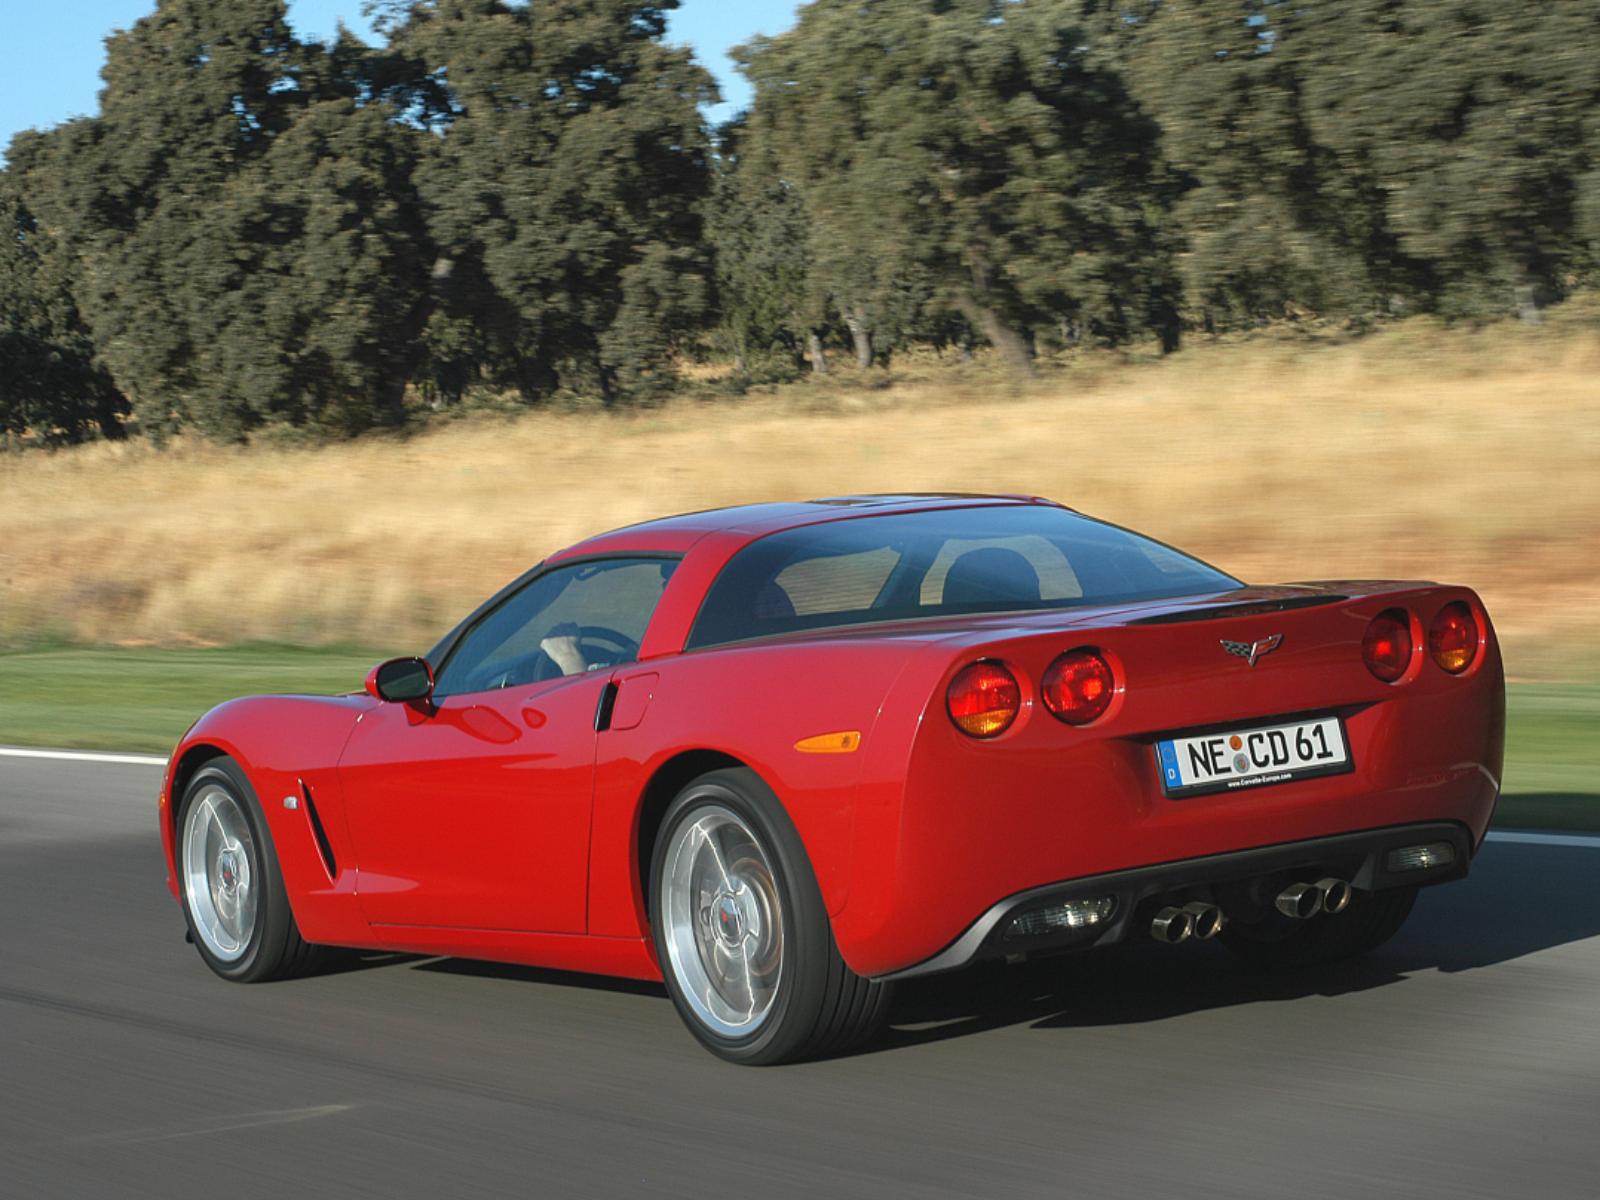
(1012, 346)
(861, 334)
(819, 357)
(107, 416)
(1015, 350)
(1527, 301)
(1169, 327)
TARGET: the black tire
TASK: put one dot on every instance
(275, 949)
(820, 1006)
(1370, 921)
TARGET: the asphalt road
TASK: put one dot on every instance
(1462, 1060)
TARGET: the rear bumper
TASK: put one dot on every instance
(1235, 880)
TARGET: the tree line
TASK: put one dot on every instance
(257, 231)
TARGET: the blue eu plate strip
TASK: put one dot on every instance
(1169, 763)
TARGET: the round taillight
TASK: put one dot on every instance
(1453, 638)
(1078, 687)
(984, 699)
(1387, 646)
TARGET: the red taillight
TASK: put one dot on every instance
(984, 699)
(1453, 638)
(1078, 687)
(1387, 646)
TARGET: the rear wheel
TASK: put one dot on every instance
(742, 934)
(1370, 921)
(228, 879)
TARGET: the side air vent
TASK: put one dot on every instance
(324, 850)
(1216, 612)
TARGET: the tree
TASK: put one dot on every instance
(1467, 119)
(315, 265)
(565, 189)
(50, 384)
(1271, 227)
(985, 154)
(249, 243)
(757, 225)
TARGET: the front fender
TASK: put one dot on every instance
(288, 748)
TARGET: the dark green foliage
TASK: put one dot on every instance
(1466, 121)
(1272, 229)
(757, 222)
(256, 233)
(967, 156)
(251, 253)
(1355, 158)
(50, 383)
(565, 191)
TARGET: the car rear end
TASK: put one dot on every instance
(1169, 766)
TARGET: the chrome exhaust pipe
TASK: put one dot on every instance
(1300, 900)
(1172, 925)
(1335, 895)
(1205, 920)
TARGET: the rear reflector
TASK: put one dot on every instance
(984, 699)
(1078, 687)
(1386, 649)
(1058, 918)
(1421, 858)
(1453, 638)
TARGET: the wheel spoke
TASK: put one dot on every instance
(219, 869)
(721, 923)
(716, 856)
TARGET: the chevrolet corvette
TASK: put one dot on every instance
(780, 756)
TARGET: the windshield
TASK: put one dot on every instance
(1011, 558)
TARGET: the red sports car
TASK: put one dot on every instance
(780, 756)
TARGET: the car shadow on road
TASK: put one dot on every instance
(476, 969)
(1521, 899)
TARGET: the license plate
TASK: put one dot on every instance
(1235, 759)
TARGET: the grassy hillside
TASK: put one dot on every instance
(1470, 456)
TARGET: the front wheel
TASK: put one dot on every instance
(1368, 923)
(742, 933)
(228, 879)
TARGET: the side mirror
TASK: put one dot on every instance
(401, 681)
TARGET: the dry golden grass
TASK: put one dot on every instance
(1466, 456)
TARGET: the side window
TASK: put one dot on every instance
(568, 621)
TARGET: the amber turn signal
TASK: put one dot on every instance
(984, 699)
(1453, 638)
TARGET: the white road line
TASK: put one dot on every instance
(137, 760)
(1543, 839)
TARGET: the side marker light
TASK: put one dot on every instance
(844, 742)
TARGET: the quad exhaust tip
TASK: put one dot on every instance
(1205, 920)
(1300, 901)
(1335, 895)
(1303, 900)
(1172, 925)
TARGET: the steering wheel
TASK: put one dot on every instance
(626, 647)
(613, 647)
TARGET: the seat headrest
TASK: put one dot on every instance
(992, 574)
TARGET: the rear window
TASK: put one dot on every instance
(947, 562)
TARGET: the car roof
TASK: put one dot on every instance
(750, 521)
